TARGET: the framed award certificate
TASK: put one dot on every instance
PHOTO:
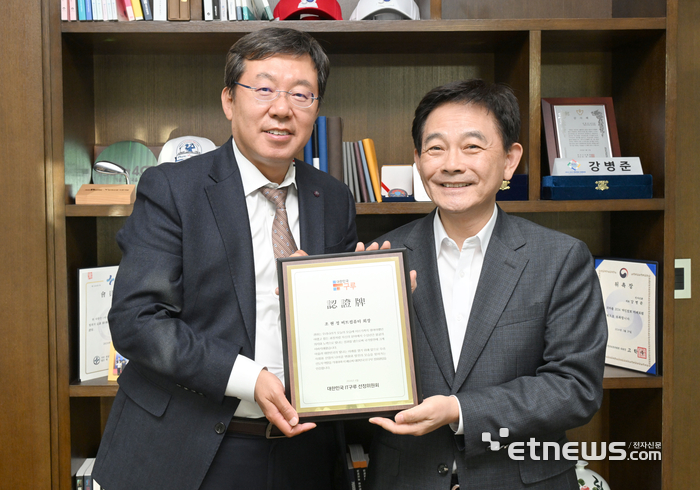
(629, 295)
(582, 128)
(95, 287)
(346, 334)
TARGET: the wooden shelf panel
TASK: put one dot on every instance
(425, 36)
(94, 388)
(615, 379)
(82, 210)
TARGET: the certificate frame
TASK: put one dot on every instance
(551, 129)
(339, 364)
(630, 289)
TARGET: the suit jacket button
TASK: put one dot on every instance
(443, 469)
(220, 428)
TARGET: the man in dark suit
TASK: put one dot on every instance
(510, 326)
(195, 309)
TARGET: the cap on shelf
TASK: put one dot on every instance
(184, 147)
(386, 10)
(308, 10)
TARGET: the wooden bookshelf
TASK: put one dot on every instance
(151, 81)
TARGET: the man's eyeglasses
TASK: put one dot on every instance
(267, 94)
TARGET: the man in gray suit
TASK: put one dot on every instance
(194, 306)
(510, 326)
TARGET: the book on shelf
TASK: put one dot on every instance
(75, 465)
(346, 170)
(97, 10)
(232, 14)
(208, 10)
(147, 8)
(124, 10)
(360, 172)
(64, 10)
(160, 10)
(72, 10)
(80, 475)
(322, 143)
(308, 151)
(373, 166)
(81, 9)
(264, 10)
(314, 146)
(88, 10)
(136, 7)
(334, 131)
(354, 180)
(87, 478)
(365, 169)
(248, 10)
(224, 10)
(95, 287)
(179, 9)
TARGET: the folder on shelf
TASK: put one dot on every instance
(373, 166)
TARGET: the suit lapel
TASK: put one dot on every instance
(500, 273)
(427, 299)
(311, 216)
(227, 201)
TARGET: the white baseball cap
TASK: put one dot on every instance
(184, 147)
(386, 10)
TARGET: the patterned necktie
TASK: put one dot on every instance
(282, 239)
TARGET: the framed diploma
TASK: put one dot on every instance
(579, 128)
(346, 334)
(629, 294)
(95, 299)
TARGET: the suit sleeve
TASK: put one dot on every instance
(565, 390)
(148, 298)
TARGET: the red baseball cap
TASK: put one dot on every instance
(308, 10)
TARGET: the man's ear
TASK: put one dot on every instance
(512, 160)
(227, 103)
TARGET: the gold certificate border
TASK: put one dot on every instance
(394, 257)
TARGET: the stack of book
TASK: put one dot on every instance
(164, 10)
(81, 473)
(352, 162)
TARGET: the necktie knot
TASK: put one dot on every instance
(278, 196)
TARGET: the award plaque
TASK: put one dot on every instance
(346, 334)
(629, 295)
(579, 128)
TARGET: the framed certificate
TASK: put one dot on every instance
(629, 290)
(346, 334)
(95, 287)
(581, 128)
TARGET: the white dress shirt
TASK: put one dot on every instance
(459, 270)
(268, 333)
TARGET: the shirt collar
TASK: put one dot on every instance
(484, 236)
(253, 179)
